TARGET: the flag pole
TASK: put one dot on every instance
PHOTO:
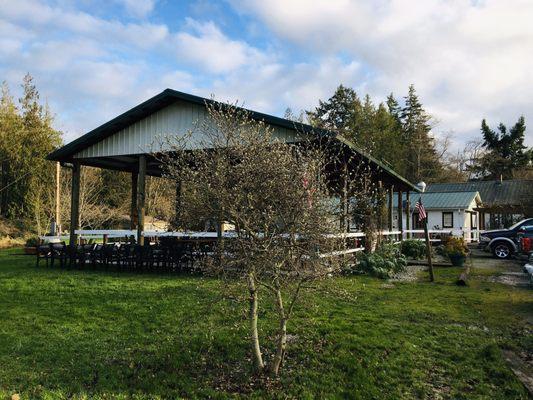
(423, 217)
(428, 250)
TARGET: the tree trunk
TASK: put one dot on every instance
(282, 337)
(256, 348)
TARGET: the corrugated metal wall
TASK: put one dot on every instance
(150, 133)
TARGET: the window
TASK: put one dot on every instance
(447, 219)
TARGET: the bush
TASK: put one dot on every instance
(33, 241)
(7, 242)
(454, 247)
(383, 263)
(413, 249)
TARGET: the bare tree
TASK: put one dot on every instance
(275, 195)
(160, 195)
(93, 213)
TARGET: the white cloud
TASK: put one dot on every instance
(205, 45)
(88, 68)
(467, 59)
(272, 87)
(138, 8)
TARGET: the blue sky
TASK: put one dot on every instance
(94, 59)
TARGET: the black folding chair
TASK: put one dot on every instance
(127, 257)
(110, 255)
(59, 252)
(82, 254)
(43, 253)
(144, 257)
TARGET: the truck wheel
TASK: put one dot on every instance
(502, 250)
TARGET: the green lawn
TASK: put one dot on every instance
(84, 334)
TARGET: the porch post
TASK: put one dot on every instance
(75, 204)
(133, 207)
(141, 185)
(391, 207)
(177, 205)
(400, 214)
(344, 200)
(408, 212)
(380, 204)
(58, 200)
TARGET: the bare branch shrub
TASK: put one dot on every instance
(275, 195)
(93, 213)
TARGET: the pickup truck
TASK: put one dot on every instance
(504, 243)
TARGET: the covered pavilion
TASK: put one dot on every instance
(125, 143)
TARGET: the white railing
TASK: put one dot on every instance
(469, 235)
(353, 240)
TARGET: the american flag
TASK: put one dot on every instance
(421, 210)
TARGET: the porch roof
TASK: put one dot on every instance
(128, 160)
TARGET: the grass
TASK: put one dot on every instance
(85, 334)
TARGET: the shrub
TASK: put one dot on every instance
(32, 241)
(454, 247)
(383, 263)
(8, 242)
(413, 249)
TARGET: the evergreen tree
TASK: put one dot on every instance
(27, 178)
(506, 152)
(421, 156)
(388, 143)
(336, 113)
(10, 126)
(373, 129)
(399, 136)
(394, 108)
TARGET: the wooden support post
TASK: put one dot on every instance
(408, 213)
(379, 206)
(391, 207)
(177, 205)
(133, 211)
(141, 196)
(400, 214)
(58, 200)
(75, 204)
(344, 200)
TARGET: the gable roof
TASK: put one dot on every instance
(443, 200)
(169, 96)
(493, 193)
(163, 99)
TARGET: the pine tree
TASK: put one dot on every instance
(27, 137)
(421, 156)
(375, 130)
(506, 152)
(10, 125)
(336, 113)
(394, 107)
(388, 143)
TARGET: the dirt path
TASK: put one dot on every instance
(509, 272)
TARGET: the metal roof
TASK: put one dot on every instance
(443, 200)
(168, 96)
(516, 192)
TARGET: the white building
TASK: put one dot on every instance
(447, 210)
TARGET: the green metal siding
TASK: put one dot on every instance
(442, 200)
(493, 193)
